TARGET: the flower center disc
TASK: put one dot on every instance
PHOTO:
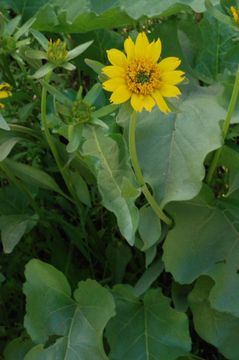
(143, 76)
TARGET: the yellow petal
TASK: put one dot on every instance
(149, 103)
(153, 51)
(137, 102)
(5, 86)
(117, 57)
(160, 101)
(129, 48)
(169, 90)
(4, 94)
(120, 95)
(169, 64)
(113, 84)
(173, 77)
(141, 45)
(113, 71)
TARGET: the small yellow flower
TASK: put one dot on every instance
(139, 76)
(235, 14)
(5, 92)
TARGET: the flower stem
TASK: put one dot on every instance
(138, 173)
(225, 129)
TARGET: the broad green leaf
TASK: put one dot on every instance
(33, 176)
(172, 148)
(43, 71)
(13, 227)
(202, 236)
(77, 323)
(17, 348)
(146, 328)
(110, 167)
(72, 16)
(206, 241)
(217, 328)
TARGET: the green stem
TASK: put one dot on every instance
(50, 140)
(138, 173)
(20, 186)
(225, 129)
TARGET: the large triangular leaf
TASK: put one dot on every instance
(172, 148)
(146, 328)
(77, 323)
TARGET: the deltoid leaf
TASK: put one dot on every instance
(146, 328)
(172, 148)
(76, 324)
(218, 328)
(206, 241)
(217, 50)
(81, 16)
(111, 166)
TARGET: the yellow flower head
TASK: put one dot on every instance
(57, 53)
(235, 14)
(139, 76)
(5, 92)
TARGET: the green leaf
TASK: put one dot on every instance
(77, 323)
(3, 124)
(13, 227)
(200, 228)
(217, 50)
(111, 165)
(148, 277)
(118, 255)
(206, 241)
(33, 176)
(78, 50)
(146, 328)
(17, 348)
(172, 148)
(217, 328)
(149, 227)
(74, 137)
(7, 143)
(43, 71)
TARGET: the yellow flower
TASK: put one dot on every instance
(235, 14)
(139, 76)
(5, 92)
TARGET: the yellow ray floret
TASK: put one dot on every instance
(5, 92)
(138, 75)
(235, 14)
